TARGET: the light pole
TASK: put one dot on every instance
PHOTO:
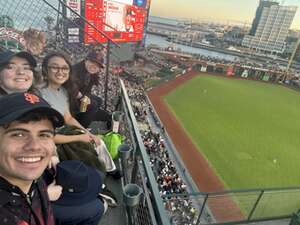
(292, 57)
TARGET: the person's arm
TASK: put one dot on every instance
(71, 121)
(87, 137)
(63, 139)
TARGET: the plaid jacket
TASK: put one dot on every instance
(17, 208)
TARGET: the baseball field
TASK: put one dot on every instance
(248, 131)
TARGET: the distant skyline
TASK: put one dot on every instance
(218, 10)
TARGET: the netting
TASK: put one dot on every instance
(42, 26)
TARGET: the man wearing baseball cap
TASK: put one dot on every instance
(27, 124)
(16, 71)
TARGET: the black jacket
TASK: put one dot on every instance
(82, 151)
(17, 208)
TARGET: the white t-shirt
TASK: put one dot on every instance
(58, 99)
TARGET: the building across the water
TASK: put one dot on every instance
(270, 27)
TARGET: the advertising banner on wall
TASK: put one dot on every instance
(72, 25)
(75, 6)
(245, 74)
(120, 22)
(203, 69)
(230, 71)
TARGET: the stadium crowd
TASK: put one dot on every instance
(171, 186)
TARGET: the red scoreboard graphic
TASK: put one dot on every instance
(120, 22)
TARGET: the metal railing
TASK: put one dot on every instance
(50, 17)
(151, 209)
(238, 206)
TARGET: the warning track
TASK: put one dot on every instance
(224, 208)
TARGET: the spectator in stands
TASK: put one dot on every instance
(27, 124)
(168, 180)
(16, 72)
(59, 92)
(90, 78)
(76, 92)
(86, 74)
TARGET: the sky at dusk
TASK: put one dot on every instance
(219, 10)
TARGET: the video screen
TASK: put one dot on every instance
(120, 22)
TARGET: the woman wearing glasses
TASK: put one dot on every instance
(59, 91)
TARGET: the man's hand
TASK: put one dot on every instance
(54, 191)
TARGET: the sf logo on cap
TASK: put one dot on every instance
(31, 98)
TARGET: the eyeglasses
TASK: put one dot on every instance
(14, 67)
(55, 69)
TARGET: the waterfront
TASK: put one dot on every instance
(163, 43)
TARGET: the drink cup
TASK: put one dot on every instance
(84, 103)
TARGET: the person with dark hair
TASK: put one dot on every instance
(59, 91)
(87, 74)
(16, 72)
(27, 124)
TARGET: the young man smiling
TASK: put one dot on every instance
(27, 124)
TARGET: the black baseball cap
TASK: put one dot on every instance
(14, 106)
(96, 57)
(7, 55)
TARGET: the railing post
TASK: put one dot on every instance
(131, 198)
(255, 204)
(202, 209)
(106, 73)
(124, 152)
(135, 168)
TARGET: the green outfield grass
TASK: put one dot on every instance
(249, 131)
